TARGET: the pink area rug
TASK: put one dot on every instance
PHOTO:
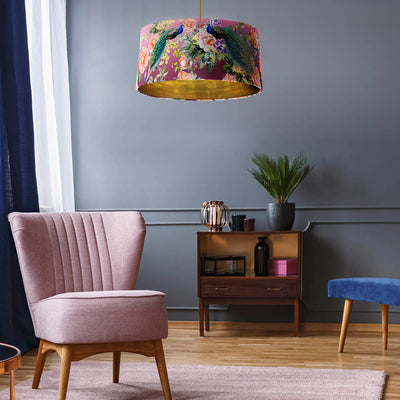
(91, 380)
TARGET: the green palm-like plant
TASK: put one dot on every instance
(280, 177)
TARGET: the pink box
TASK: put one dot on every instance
(283, 267)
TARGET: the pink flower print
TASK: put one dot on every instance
(183, 62)
(144, 55)
(190, 24)
(256, 78)
(229, 77)
(254, 38)
(205, 40)
(185, 76)
(153, 40)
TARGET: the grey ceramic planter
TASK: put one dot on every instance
(280, 216)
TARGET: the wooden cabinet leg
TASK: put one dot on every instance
(207, 311)
(296, 317)
(345, 323)
(385, 317)
(201, 315)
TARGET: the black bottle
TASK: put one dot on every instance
(261, 257)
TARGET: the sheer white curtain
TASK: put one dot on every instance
(47, 42)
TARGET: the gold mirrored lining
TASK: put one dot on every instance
(198, 89)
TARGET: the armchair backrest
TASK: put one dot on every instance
(77, 251)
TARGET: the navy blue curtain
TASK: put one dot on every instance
(18, 189)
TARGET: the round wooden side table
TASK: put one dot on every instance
(10, 360)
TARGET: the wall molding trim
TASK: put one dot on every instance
(197, 209)
(172, 215)
(349, 222)
(213, 307)
(186, 223)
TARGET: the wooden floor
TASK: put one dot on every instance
(266, 345)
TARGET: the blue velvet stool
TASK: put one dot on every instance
(384, 291)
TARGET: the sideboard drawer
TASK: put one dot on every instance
(248, 287)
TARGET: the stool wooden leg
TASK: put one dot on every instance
(385, 316)
(345, 323)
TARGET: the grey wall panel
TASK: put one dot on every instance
(342, 250)
(169, 263)
(331, 88)
(348, 242)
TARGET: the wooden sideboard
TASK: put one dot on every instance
(249, 289)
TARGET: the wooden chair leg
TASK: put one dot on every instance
(40, 361)
(116, 365)
(162, 369)
(66, 355)
(385, 317)
(345, 323)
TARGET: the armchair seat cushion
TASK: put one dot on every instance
(101, 316)
(374, 290)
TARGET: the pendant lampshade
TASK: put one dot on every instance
(199, 59)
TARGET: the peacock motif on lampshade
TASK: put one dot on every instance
(159, 47)
(193, 59)
(236, 47)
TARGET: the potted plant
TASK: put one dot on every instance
(280, 178)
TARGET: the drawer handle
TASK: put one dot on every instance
(222, 289)
(273, 289)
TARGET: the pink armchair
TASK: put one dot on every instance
(79, 272)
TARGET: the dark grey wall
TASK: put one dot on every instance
(331, 88)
